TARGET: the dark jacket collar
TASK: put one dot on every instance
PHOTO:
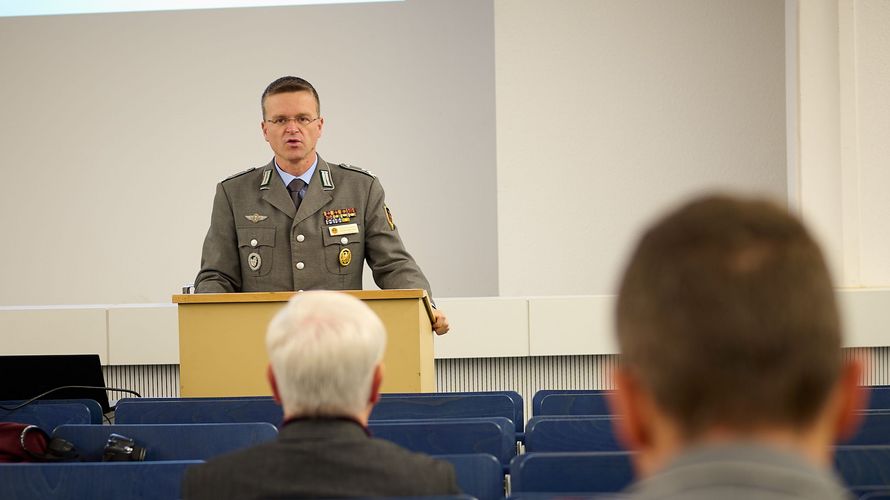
(323, 428)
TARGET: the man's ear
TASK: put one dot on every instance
(628, 403)
(852, 398)
(376, 382)
(270, 375)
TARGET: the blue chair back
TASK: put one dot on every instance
(220, 398)
(862, 466)
(92, 405)
(493, 435)
(169, 441)
(571, 433)
(79, 480)
(219, 411)
(580, 472)
(478, 474)
(871, 493)
(570, 402)
(48, 416)
(879, 398)
(875, 429)
(405, 406)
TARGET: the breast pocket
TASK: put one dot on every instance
(257, 247)
(343, 253)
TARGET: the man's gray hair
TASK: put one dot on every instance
(323, 348)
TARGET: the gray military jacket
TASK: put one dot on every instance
(257, 243)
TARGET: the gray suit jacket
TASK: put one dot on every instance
(320, 458)
(257, 242)
(740, 472)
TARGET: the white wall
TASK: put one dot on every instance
(844, 114)
(872, 59)
(606, 111)
(116, 127)
(609, 110)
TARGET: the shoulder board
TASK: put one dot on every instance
(356, 169)
(239, 174)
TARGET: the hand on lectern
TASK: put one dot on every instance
(440, 322)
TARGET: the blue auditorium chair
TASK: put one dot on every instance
(493, 435)
(879, 397)
(571, 472)
(97, 480)
(201, 411)
(871, 493)
(169, 441)
(875, 429)
(48, 416)
(571, 433)
(581, 473)
(436, 405)
(429, 497)
(92, 405)
(863, 466)
(209, 398)
(570, 402)
(478, 474)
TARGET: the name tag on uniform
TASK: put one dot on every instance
(343, 229)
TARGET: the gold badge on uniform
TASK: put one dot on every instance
(345, 257)
(392, 225)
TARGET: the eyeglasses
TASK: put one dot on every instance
(301, 121)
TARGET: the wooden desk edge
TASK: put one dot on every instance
(223, 298)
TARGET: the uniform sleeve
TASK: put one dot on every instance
(220, 263)
(391, 264)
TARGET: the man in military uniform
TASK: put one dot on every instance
(301, 223)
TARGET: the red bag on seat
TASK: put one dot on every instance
(29, 443)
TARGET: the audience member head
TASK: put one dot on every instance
(728, 329)
(325, 355)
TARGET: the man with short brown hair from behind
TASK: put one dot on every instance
(732, 382)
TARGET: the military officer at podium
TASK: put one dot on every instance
(299, 222)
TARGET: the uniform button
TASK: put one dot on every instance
(344, 240)
(253, 242)
(300, 238)
(300, 265)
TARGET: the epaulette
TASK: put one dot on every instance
(356, 169)
(239, 174)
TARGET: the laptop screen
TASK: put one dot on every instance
(23, 377)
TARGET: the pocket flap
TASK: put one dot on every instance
(256, 236)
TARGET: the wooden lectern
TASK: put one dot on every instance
(222, 346)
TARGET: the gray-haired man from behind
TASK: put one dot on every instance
(732, 382)
(325, 368)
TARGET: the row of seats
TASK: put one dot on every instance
(507, 404)
(535, 475)
(865, 469)
(478, 475)
(587, 402)
(494, 438)
(495, 434)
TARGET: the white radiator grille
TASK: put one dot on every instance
(150, 381)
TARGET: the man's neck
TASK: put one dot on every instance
(812, 445)
(297, 168)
